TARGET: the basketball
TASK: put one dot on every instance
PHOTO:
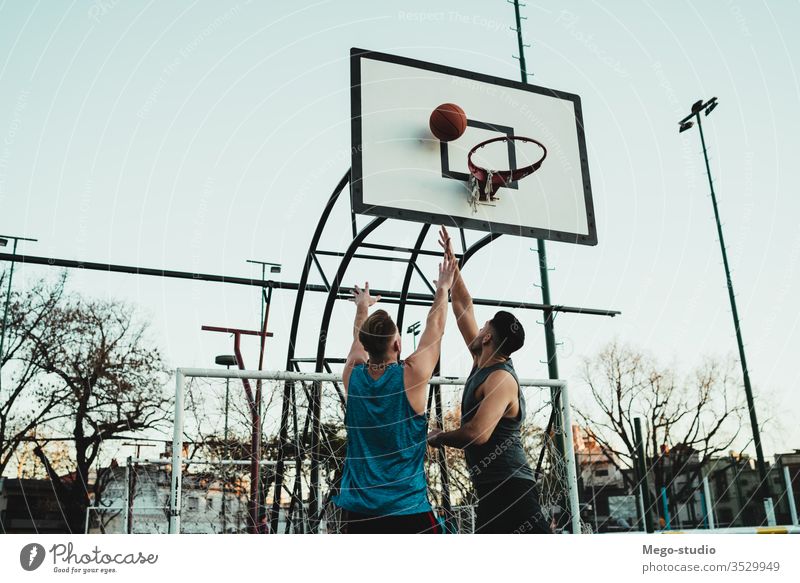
(448, 122)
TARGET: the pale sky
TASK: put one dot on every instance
(196, 135)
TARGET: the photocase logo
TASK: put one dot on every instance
(31, 556)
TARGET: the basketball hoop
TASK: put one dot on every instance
(484, 182)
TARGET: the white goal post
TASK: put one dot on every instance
(182, 374)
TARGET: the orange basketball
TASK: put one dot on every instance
(448, 122)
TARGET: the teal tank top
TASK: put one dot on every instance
(384, 472)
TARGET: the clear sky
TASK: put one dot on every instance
(196, 135)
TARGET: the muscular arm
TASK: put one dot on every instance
(419, 366)
(358, 355)
(462, 301)
(500, 391)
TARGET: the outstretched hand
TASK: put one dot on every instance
(433, 437)
(447, 272)
(363, 298)
(446, 243)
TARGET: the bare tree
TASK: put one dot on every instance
(108, 379)
(695, 418)
(27, 400)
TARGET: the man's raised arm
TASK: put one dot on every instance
(462, 301)
(420, 365)
(358, 355)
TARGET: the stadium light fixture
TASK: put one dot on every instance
(273, 267)
(225, 360)
(685, 126)
(415, 330)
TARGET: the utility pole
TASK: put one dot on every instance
(641, 472)
(764, 486)
(414, 329)
(541, 250)
(549, 330)
(226, 360)
(4, 239)
(253, 401)
(265, 301)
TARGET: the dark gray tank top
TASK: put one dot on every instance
(502, 456)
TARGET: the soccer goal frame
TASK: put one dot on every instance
(559, 386)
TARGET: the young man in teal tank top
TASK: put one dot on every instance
(492, 413)
(383, 487)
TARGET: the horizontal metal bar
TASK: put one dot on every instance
(93, 266)
(123, 507)
(234, 331)
(404, 249)
(328, 360)
(282, 375)
(18, 238)
(362, 256)
(189, 461)
(414, 298)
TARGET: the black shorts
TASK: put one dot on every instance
(422, 523)
(510, 507)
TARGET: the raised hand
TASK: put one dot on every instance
(445, 242)
(362, 297)
(447, 272)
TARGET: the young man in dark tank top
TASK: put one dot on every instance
(492, 413)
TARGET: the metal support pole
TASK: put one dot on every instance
(127, 520)
(5, 307)
(177, 444)
(790, 495)
(5, 312)
(641, 465)
(769, 507)
(520, 45)
(569, 460)
(227, 456)
(764, 486)
(315, 507)
(288, 404)
(541, 249)
(709, 504)
(640, 503)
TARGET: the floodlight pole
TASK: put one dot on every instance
(255, 416)
(4, 239)
(544, 271)
(549, 330)
(685, 123)
(414, 330)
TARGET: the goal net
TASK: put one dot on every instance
(302, 446)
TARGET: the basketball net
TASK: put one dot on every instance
(478, 194)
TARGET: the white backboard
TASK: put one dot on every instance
(400, 170)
